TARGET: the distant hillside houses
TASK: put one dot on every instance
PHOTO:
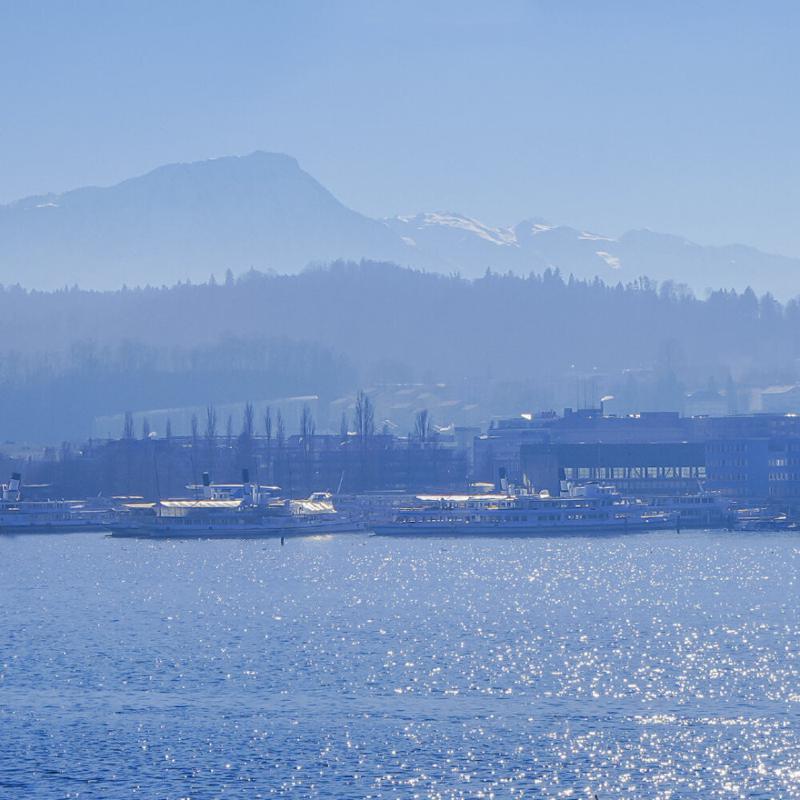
(781, 399)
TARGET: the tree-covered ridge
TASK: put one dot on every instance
(330, 329)
(371, 311)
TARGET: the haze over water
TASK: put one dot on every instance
(653, 666)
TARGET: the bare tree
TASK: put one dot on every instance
(195, 428)
(280, 433)
(307, 426)
(246, 436)
(364, 417)
(248, 421)
(422, 426)
(343, 431)
(365, 428)
(128, 435)
(211, 423)
(229, 430)
(268, 425)
(128, 431)
(211, 437)
(307, 430)
(268, 435)
(280, 441)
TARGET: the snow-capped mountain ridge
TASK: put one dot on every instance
(536, 244)
(500, 236)
(262, 211)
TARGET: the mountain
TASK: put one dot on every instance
(469, 246)
(186, 221)
(262, 211)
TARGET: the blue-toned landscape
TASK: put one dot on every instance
(399, 400)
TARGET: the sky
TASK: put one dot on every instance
(677, 116)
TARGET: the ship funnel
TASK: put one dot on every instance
(206, 485)
(503, 480)
(249, 491)
(11, 490)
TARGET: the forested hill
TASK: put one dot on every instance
(373, 312)
(327, 329)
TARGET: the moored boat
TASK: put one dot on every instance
(19, 515)
(589, 508)
(231, 511)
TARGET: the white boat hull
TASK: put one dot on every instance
(510, 529)
(243, 531)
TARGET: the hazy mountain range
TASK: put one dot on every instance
(262, 211)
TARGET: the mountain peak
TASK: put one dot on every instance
(461, 223)
(257, 163)
(263, 211)
(185, 221)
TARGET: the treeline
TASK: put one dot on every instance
(299, 459)
(70, 354)
(55, 396)
(374, 312)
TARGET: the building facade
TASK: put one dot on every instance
(746, 457)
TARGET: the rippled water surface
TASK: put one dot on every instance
(652, 666)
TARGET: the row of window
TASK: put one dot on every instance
(727, 447)
(784, 476)
(497, 518)
(623, 473)
(774, 476)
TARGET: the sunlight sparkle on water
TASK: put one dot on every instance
(657, 666)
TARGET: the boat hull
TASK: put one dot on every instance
(61, 526)
(480, 529)
(159, 531)
(12, 529)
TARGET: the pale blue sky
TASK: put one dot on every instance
(678, 116)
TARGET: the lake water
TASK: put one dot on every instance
(648, 666)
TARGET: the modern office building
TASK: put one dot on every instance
(748, 457)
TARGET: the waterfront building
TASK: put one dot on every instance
(744, 457)
(651, 468)
(755, 457)
(656, 452)
(781, 399)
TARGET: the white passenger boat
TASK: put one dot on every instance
(18, 514)
(591, 508)
(699, 510)
(231, 511)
